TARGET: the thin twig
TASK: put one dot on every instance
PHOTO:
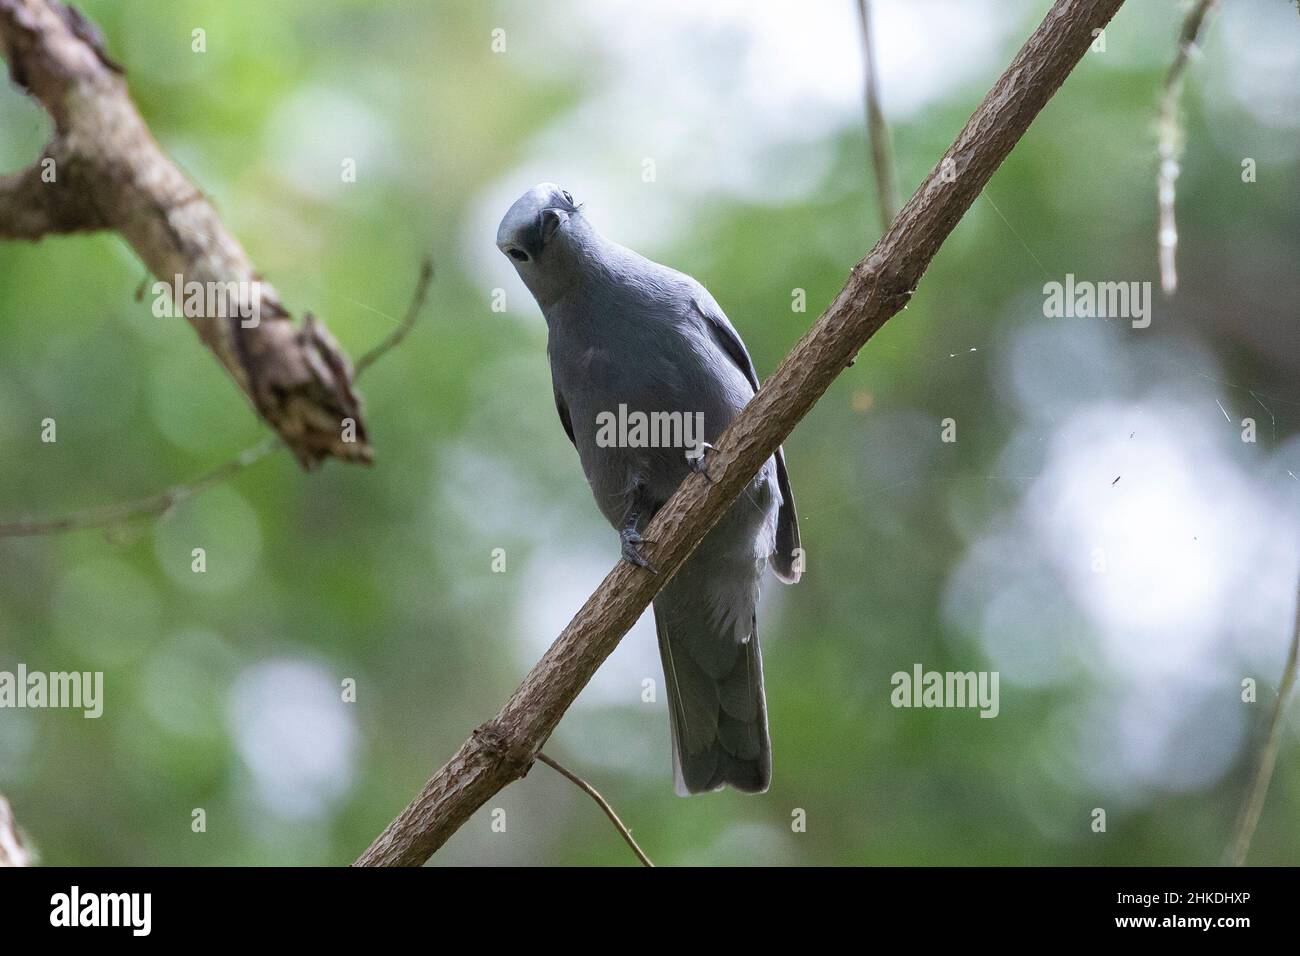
(152, 506)
(1170, 144)
(591, 791)
(161, 503)
(1254, 805)
(882, 160)
(398, 334)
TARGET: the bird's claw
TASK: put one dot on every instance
(695, 460)
(631, 553)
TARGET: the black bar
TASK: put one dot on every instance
(333, 905)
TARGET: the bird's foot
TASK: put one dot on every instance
(631, 553)
(695, 460)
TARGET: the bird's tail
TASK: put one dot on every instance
(708, 641)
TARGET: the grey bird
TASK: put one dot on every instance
(625, 331)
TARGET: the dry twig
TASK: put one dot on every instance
(592, 792)
(1248, 819)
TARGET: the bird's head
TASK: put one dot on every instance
(537, 235)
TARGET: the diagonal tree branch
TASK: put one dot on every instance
(104, 170)
(503, 749)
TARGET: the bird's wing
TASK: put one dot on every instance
(725, 334)
(563, 409)
(787, 522)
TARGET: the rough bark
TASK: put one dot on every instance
(503, 749)
(110, 173)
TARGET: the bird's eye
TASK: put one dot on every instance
(518, 255)
(568, 196)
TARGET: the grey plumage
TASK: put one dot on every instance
(627, 331)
